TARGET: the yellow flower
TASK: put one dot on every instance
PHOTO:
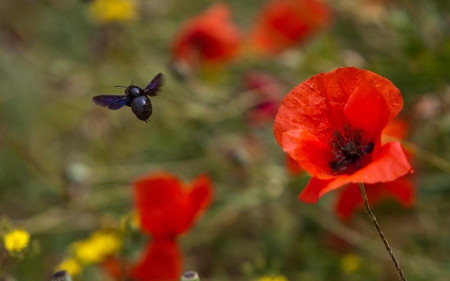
(16, 240)
(86, 252)
(108, 241)
(112, 10)
(272, 278)
(97, 247)
(71, 265)
(350, 263)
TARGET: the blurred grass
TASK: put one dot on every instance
(53, 59)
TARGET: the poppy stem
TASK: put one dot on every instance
(377, 226)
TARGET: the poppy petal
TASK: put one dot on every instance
(388, 165)
(165, 207)
(306, 107)
(284, 23)
(317, 187)
(292, 166)
(112, 267)
(208, 37)
(200, 195)
(317, 104)
(311, 153)
(161, 261)
(403, 190)
(366, 109)
(311, 192)
(161, 203)
(397, 129)
(350, 198)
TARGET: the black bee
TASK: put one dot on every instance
(134, 97)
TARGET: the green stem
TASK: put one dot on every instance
(125, 246)
(377, 226)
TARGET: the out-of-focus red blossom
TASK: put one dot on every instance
(268, 95)
(331, 124)
(285, 23)
(402, 189)
(166, 209)
(112, 266)
(208, 38)
(292, 166)
(397, 129)
(267, 87)
(161, 261)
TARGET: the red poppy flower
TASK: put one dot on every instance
(166, 209)
(331, 125)
(284, 23)
(207, 38)
(402, 189)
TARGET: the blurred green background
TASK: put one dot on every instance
(66, 165)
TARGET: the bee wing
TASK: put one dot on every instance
(154, 86)
(110, 101)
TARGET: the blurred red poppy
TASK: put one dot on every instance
(331, 125)
(161, 261)
(166, 209)
(285, 23)
(267, 96)
(112, 266)
(402, 189)
(209, 38)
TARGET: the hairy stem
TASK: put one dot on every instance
(377, 226)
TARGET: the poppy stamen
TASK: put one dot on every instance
(348, 148)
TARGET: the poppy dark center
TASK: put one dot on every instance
(348, 147)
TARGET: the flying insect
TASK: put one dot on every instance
(135, 97)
